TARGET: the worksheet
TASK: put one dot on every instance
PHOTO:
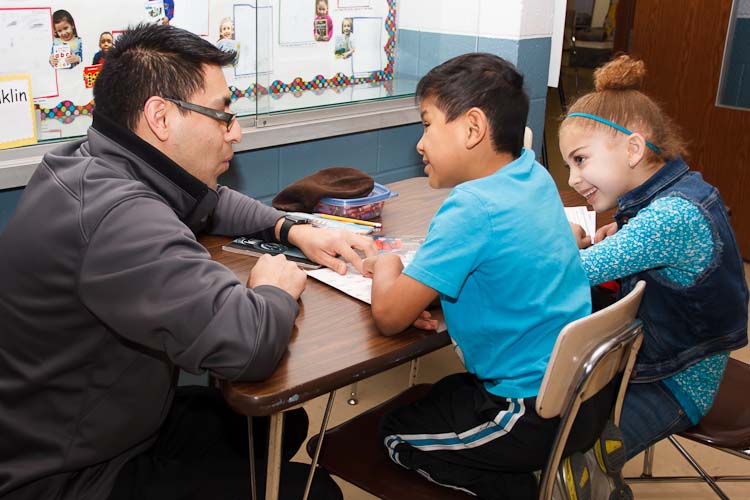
(356, 285)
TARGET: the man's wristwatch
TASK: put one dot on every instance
(289, 221)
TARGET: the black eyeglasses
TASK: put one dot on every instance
(222, 116)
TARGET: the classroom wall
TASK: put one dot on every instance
(387, 154)
(431, 32)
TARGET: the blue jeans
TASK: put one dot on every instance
(649, 414)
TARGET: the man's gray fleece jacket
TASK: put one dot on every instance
(104, 292)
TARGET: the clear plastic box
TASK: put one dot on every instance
(366, 208)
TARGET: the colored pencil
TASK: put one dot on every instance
(347, 219)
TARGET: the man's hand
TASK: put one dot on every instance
(324, 245)
(582, 240)
(276, 271)
(605, 231)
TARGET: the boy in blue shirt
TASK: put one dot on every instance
(500, 257)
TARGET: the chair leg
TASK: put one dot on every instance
(648, 462)
(706, 477)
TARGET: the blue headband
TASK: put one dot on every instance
(614, 126)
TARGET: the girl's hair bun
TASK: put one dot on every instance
(621, 73)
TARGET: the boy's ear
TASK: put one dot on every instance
(477, 127)
(636, 149)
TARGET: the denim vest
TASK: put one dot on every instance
(683, 325)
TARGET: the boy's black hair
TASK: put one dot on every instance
(63, 15)
(153, 60)
(484, 81)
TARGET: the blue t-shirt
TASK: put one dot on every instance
(502, 256)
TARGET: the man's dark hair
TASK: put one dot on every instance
(153, 60)
(484, 81)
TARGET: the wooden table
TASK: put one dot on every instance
(335, 342)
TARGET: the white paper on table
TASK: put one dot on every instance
(356, 285)
(352, 283)
(583, 217)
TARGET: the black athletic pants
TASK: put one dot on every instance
(462, 436)
(202, 452)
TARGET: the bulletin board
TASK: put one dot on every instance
(284, 46)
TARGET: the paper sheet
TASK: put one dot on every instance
(356, 285)
(583, 217)
(245, 34)
(191, 15)
(18, 123)
(295, 22)
(25, 41)
(367, 37)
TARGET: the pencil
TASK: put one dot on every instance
(347, 219)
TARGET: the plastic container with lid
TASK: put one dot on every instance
(366, 208)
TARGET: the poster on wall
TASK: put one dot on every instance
(18, 126)
(284, 47)
(24, 33)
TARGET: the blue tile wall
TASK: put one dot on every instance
(533, 62)
(435, 48)
(388, 155)
(356, 150)
(531, 56)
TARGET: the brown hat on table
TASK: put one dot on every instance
(334, 182)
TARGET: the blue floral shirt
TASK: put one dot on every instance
(670, 235)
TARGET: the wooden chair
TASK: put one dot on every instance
(588, 355)
(726, 427)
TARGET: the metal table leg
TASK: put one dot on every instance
(321, 435)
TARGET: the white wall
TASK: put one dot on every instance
(511, 19)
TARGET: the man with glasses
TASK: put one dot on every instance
(105, 294)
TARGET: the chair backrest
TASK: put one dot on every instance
(574, 348)
(588, 354)
(528, 138)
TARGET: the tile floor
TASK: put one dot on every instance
(438, 364)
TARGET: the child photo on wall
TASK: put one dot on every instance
(323, 24)
(226, 41)
(345, 43)
(67, 46)
(105, 43)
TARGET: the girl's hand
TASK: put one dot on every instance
(605, 231)
(425, 321)
(582, 239)
(72, 59)
(52, 61)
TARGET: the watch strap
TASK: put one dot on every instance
(284, 231)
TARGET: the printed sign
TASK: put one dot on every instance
(18, 126)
